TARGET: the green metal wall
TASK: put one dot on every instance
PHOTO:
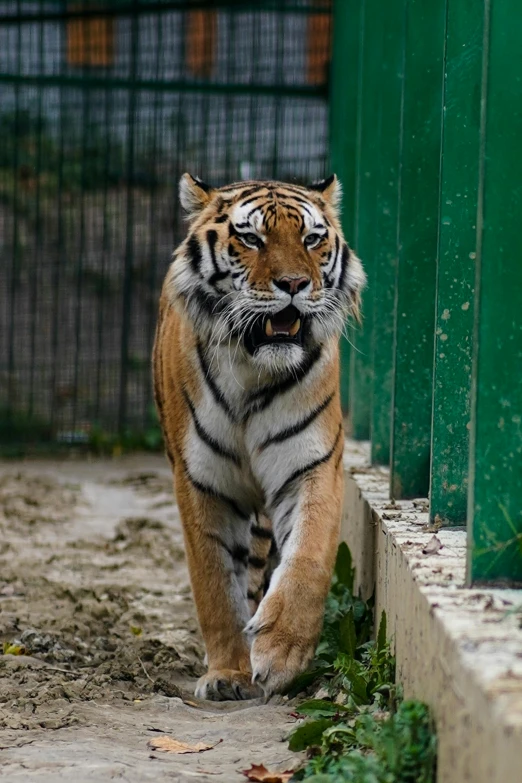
(425, 133)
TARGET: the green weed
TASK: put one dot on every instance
(362, 731)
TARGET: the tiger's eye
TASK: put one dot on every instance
(251, 239)
(312, 239)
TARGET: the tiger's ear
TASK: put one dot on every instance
(330, 189)
(194, 194)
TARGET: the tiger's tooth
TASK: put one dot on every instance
(295, 328)
(268, 328)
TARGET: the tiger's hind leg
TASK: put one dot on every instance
(260, 560)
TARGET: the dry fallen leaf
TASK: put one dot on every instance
(259, 772)
(433, 546)
(14, 648)
(171, 745)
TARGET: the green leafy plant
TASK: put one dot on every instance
(361, 731)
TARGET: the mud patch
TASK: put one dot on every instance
(113, 639)
(95, 598)
(28, 502)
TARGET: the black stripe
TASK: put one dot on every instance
(216, 277)
(194, 253)
(250, 200)
(205, 301)
(284, 519)
(202, 185)
(212, 239)
(256, 562)
(262, 398)
(295, 429)
(221, 218)
(237, 552)
(261, 532)
(251, 595)
(282, 524)
(229, 190)
(293, 212)
(344, 265)
(257, 207)
(267, 580)
(216, 447)
(300, 200)
(339, 459)
(292, 188)
(240, 553)
(247, 192)
(216, 393)
(211, 492)
(306, 469)
(330, 276)
(285, 538)
(323, 184)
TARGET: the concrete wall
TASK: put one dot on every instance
(458, 649)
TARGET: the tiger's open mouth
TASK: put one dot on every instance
(286, 326)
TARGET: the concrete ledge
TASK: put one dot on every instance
(458, 649)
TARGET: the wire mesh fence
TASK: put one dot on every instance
(102, 108)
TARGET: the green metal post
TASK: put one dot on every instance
(392, 19)
(456, 262)
(343, 132)
(495, 497)
(418, 232)
(366, 209)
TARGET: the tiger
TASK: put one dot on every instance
(246, 386)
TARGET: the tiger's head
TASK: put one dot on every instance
(265, 265)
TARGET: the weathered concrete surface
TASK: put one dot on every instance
(458, 649)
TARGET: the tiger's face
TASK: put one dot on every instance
(265, 267)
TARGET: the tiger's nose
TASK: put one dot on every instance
(292, 285)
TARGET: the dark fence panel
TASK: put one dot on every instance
(101, 111)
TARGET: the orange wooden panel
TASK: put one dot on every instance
(319, 35)
(90, 41)
(201, 42)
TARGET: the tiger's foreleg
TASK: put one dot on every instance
(284, 632)
(217, 539)
(259, 561)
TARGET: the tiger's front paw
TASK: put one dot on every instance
(227, 685)
(283, 635)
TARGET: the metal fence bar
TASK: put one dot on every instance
(495, 500)
(456, 262)
(343, 134)
(418, 231)
(118, 83)
(128, 282)
(120, 8)
(392, 16)
(366, 206)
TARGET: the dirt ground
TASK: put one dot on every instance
(94, 594)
